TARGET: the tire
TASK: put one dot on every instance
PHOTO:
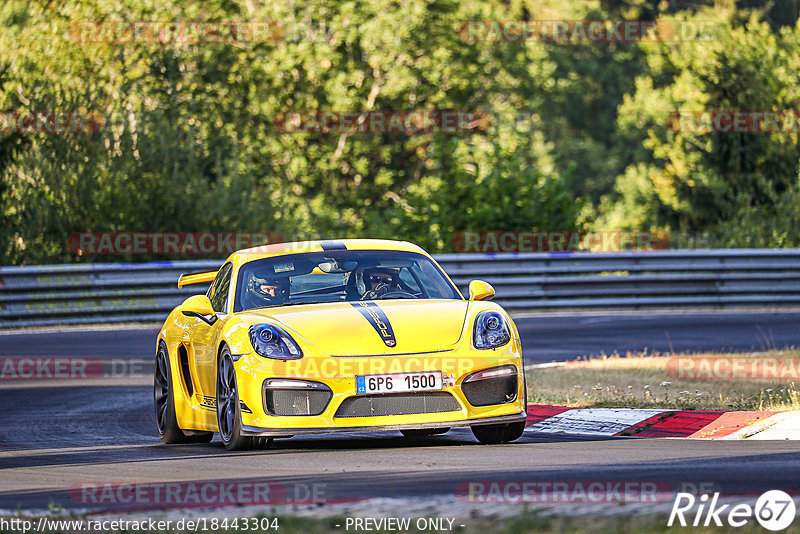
(229, 416)
(423, 432)
(164, 404)
(502, 433)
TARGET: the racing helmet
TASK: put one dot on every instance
(267, 290)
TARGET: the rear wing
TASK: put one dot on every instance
(196, 278)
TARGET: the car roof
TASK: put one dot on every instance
(298, 247)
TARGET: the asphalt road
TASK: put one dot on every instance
(55, 437)
(544, 338)
(64, 437)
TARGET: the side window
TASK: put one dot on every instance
(433, 281)
(220, 287)
(408, 279)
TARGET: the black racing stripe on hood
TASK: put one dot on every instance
(332, 245)
(378, 319)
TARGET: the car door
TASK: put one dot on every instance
(204, 336)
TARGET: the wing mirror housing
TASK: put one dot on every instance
(199, 306)
(480, 290)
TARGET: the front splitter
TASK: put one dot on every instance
(277, 432)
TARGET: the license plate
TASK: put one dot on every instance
(399, 382)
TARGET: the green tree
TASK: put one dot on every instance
(695, 181)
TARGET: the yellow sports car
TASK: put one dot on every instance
(336, 336)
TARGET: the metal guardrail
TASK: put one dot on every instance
(120, 292)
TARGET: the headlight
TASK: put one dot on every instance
(272, 341)
(491, 330)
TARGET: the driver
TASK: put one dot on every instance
(379, 281)
(266, 291)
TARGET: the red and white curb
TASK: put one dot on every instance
(662, 423)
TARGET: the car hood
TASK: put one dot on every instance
(371, 327)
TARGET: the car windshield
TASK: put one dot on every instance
(339, 276)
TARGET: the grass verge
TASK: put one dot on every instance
(641, 380)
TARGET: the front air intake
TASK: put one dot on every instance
(295, 397)
(398, 404)
(491, 386)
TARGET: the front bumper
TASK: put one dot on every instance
(339, 374)
(278, 432)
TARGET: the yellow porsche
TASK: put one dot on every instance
(336, 336)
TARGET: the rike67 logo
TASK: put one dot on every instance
(774, 510)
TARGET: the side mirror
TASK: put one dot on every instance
(199, 306)
(480, 290)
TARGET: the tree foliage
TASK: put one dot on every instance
(724, 184)
(578, 134)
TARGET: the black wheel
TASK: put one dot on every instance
(229, 415)
(423, 432)
(502, 433)
(164, 403)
